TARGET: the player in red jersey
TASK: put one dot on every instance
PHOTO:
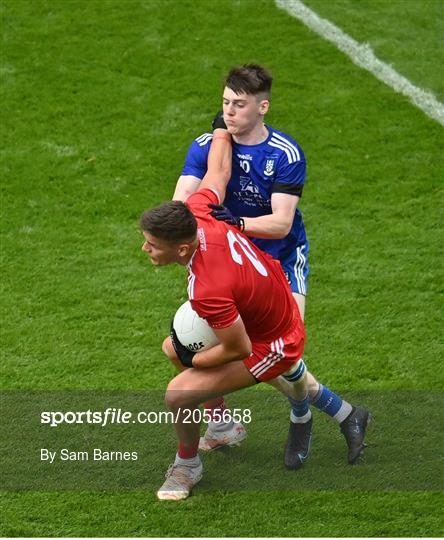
(231, 280)
(224, 282)
(239, 290)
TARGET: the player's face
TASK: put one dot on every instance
(159, 251)
(243, 112)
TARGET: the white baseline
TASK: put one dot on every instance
(363, 56)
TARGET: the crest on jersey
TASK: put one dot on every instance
(269, 167)
(247, 185)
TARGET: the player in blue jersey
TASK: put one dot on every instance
(268, 175)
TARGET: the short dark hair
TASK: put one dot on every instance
(172, 221)
(250, 78)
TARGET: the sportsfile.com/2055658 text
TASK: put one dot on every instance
(113, 415)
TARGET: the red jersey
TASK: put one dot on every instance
(230, 277)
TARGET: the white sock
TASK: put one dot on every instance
(343, 412)
(300, 419)
(220, 426)
(193, 462)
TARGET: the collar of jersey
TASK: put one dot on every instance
(190, 262)
(270, 134)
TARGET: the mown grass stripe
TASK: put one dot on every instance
(362, 55)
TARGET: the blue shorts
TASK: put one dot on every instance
(295, 268)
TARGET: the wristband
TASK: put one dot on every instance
(228, 138)
(187, 359)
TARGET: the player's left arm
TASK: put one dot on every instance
(277, 224)
(219, 163)
(186, 186)
(286, 193)
(234, 345)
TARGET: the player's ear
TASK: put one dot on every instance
(184, 250)
(264, 105)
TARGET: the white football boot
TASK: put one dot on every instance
(180, 480)
(217, 436)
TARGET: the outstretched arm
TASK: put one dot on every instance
(219, 163)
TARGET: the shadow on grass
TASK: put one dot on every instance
(403, 452)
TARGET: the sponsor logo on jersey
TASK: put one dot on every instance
(269, 167)
(245, 156)
(248, 185)
(202, 239)
(253, 200)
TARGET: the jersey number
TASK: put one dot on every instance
(236, 241)
(245, 165)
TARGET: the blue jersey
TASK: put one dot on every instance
(276, 165)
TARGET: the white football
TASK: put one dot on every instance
(192, 331)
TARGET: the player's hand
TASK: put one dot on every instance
(184, 354)
(219, 121)
(221, 213)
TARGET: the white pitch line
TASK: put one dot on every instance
(363, 56)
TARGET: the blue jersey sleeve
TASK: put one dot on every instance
(290, 178)
(196, 160)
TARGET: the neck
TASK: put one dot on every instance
(257, 135)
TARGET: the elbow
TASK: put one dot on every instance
(283, 231)
(286, 232)
(186, 195)
(248, 352)
(181, 195)
(240, 352)
(243, 352)
(286, 227)
(279, 224)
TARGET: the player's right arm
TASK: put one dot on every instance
(219, 163)
(234, 345)
(186, 186)
(194, 169)
(207, 165)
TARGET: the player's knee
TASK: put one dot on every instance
(176, 397)
(296, 375)
(168, 349)
(173, 399)
(312, 383)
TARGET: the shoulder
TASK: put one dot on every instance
(202, 198)
(200, 145)
(289, 150)
(203, 140)
(196, 160)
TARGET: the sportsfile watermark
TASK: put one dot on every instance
(115, 416)
(117, 440)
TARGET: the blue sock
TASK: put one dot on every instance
(300, 410)
(330, 403)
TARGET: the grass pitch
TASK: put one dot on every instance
(100, 102)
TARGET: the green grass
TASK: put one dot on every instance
(100, 102)
(393, 29)
(225, 514)
(388, 465)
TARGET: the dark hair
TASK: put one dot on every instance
(250, 78)
(172, 221)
